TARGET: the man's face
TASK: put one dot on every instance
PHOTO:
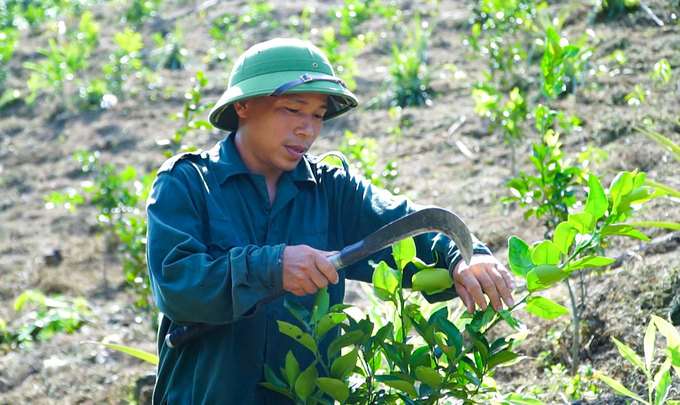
(275, 132)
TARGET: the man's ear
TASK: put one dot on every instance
(241, 107)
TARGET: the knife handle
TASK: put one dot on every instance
(180, 336)
(349, 255)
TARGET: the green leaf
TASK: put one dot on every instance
(674, 226)
(429, 376)
(306, 382)
(272, 378)
(328, 322)
(140, 354)
(431, 281)
(629, 354)
(336, 389)
(298, 311)
(507, 316)
(127, 174)
(662, 382)
(398, 384)
(453, 335)
(670, 333)
(292, 368)
(619, 388)
(385, 282)
(624, 230)
(589, 262)
(544, 276)
(321, 303)
(597, 203)
(621, 185)
(519, 399)
(519, 257)
(280, 390)
(298, 335)
(650, 339)
(29, 296)
(564, 236)
(546, 253)
(333, 160)
(501, 358)
(403, 252)
(342, 366)
(582, 222)
(544, 308)
(343, 340)
(674, 355)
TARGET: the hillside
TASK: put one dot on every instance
(447, 155)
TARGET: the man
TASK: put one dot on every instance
(255, 216)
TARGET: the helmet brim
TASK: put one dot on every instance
(223, 115)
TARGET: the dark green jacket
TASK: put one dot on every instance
(215, 247)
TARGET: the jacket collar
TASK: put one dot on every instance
(226, 162)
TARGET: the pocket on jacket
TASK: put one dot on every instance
(223, 235)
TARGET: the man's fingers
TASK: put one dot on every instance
(473, 287)
(505, 284)
(327, 269)
(467, 299)
(500, 287)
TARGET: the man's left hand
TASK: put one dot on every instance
(484, 275)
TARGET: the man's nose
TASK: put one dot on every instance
(304, 127)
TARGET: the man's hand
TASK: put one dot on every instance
(484, 275)
(306, 269)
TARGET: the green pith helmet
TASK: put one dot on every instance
(277, 66)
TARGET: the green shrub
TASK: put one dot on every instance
(409, 81)
(169, 54)
(47, 316)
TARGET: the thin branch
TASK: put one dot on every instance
(650, 13)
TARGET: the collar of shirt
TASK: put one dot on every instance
(226, 162)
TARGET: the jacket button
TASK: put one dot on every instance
(271, 289)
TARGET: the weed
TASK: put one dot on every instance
(610, 9)
(353, 13)
(123, 62)
(498, 32)
(229, 31)
(661, 74)
(342, 60)
(300, 26)
(637, 96)
(131, 231)
(170, 53)
(508, 117)
(48, 316)
(92, 95)
(141, 11)
(658, 378)
(113, 192)
(409, 81)
(8, 38)
(31, 14)
(192, 107)
(260, 13)
(363, 157)
(64, 60)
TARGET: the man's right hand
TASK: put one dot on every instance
(306, 269)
